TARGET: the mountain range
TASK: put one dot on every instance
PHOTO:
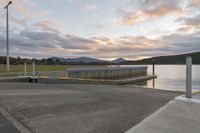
(170, 59)
(86, 60)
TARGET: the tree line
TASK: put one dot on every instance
(21, 61)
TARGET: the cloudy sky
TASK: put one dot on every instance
(105, 29)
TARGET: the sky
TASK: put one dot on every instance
(103, 29)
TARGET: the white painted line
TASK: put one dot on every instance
(16, 123)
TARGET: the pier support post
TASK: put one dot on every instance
(25, 69)
(33, 72)
(153, 66)
(188, 77)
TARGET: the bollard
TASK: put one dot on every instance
(25, 69)
(188, 77)
(33, 71)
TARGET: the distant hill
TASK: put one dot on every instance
(172, 59)
(86, 60)
(78, 60)
(119, 60)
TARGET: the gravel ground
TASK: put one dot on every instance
(71, 108)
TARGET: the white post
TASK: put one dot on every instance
(33, 71)
(25, 70)
(188, 77)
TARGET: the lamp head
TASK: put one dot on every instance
(10, 2)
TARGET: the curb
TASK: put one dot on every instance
(91, 81)
(19, 126)
(134, 128)
(182, 98)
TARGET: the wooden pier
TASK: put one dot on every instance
(107, 72)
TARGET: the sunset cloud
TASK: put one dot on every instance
(74, 1)
(183, 29)
(139, 29)
(194, 4)
(48, 25)
(22, 6)
(91, 7)
(138, 10)
(192, 21)
(46, 43)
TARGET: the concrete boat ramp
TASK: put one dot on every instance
(95, 105)
(72, 108)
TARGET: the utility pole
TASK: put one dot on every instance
(7, 36)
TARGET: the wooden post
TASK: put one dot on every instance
(153, 66)
(189, 77)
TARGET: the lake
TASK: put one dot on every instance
(172, 77)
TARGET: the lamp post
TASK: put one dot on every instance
(7, 36)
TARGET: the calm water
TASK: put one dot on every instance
(173, 77)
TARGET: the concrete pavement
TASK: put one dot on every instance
(71, 108)
(6, 126)
(178, 116)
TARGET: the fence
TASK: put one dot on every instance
(107, 72)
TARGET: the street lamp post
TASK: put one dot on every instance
(7, 36)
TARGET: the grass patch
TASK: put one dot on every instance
(42, 68)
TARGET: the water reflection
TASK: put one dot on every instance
(153, 83)
(143, 83)
(172, 77)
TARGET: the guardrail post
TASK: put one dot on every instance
(33, 72)
(188, 77)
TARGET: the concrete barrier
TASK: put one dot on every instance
(93, 81)
(14, 79)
